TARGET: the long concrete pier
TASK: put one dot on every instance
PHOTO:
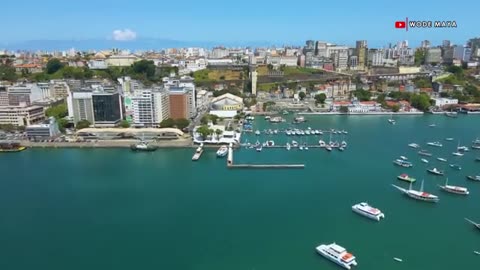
(230, 164)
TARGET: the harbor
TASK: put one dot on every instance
(176, 202)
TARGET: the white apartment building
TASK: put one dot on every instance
(21, 115)
(377, 58)
(150, 107)
(339, 55)
(28, 93)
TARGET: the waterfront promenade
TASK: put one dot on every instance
(179, 143)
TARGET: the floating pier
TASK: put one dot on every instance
(258, 166)
(198, 153)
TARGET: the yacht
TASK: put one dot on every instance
(322, 143)
(454, 189)
(337, 254)
(456, 167)
(288, 132)
(441, 159)
(198, 153)
(403, 163)
(368, 211)
(476, 146)
(405, 177)
(299, 119)
(222, 151)
(414, 145)
(391, 120)
(288, 146)
(418, 194)
(143, 146)
(345, 132)
(424, 160)
(424, 153)
(458, 154)
(435, 171)
(270, 143)
(463, 148)
(477, 141)
(343, 144)
(294, 144)
(307, 132)
(477, 225)
(403, 158)
(474, 178)
(436, 144)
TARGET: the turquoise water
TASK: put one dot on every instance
(114, 209)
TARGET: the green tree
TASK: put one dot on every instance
(420, 57)
(444, 95)
(58, 111)
(145, 67)
(7, 127)
(302, 95)
(395, 108)
(7, 73)
(204, 131)
(167, 123)
(320, 98)
(381, 98)
(62, 124)
(53, 65)
(362, 95)
(182, 123)
(420, 101)
(343, 109)
(83, 124)
(124, 124)
(218, 132)
(267, 104)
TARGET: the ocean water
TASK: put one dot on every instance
(114, 209)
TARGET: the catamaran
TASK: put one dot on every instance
(435, 171)
(368, 211)
(477, 225)
(454, 189)
(418, 194)
(405, 177)
(337, 254)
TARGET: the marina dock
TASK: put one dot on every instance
(230, 164)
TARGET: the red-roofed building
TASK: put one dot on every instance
(32, 68)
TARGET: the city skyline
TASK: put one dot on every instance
(134, 26)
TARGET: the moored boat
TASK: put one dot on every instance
(441, 159)
(436, 144)
(222, 151)
(143, 146)
(424, 153)
(456, 167)
(414, 145)
(368, 211)
(458, 154)
(405, 177)
(11, 147)
(288, 146)
(403, 163)
(424, 160)
(477, 225)
(454, 189)
(474, 178)
(435, 171)
(337, 254)
(449, 139)
(418, 194)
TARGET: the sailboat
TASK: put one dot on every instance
(454, 189)
(477, 225)
(418, 194)
(391, 120)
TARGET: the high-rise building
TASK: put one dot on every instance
(433, 56)
(446, 43)
(3, 96)
(462, 53)
(254, 82)
(27, 94)
(150, 107)
(59, 89)
(361, 51)
(107, 108)
(321, 49)
(447, 54)
(80, 103)
(181, 103)
(377, 58)
(425, 44)
(339, 55)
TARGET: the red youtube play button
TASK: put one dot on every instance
(400, 24)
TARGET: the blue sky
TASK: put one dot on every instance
(278, 22)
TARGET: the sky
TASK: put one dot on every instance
(235, 22)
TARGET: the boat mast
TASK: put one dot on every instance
(421, 187)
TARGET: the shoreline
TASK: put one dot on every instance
(361, 113)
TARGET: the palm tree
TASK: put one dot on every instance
(218, 132)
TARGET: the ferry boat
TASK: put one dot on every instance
(424, 160)
(405, 177)
(435, 171)
(424, 153)
(456, 167)
(477, 225)
(143, 146)
(337, 254)
(441, 159)
(11, 147)
(436, 144)
(454, 189)
(474, 178)
(368, 211)
(418, 194)
(414, 145)
(222, 151)
(403, 163)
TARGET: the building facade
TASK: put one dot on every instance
(361, 49)
(47, 129)
(26, 94)
(107, 109)
(433, 56)
(150, 107)
(21, 116)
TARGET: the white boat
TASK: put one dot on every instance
(435, 171)
(456, 167)
(305, 147)
(288, 146)
(307, 132)
(418, 194)
(275, 131)
(341, 149)
(329, 148)
(368, 211)
(300, 147)
(337, 254)
(476, 252)
(424, 153)
(398, 259)
(299, 119)
(391, 120)
(257, 132)
(432, 125)
(458, 154)
(454, 189)
(441, 159)
(476, 146)
(403, 163)
(294, 144)
(267, 117)
(414, 145)
(288, 132)
(259, 148)
(222, 151)
(477, 141)
(477, 225)
(463, 148)
(322, 143)
(343, 144)
(404, 158)
(270, 143)
(449, 139)
(436, 144)
(424, 160)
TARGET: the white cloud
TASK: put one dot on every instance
(124, 35)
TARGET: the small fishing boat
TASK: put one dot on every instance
(449, 139)
(329, 148)
(424, 153)
(414, 145)
(432, 125)
(300, 147)
(405, 177)
(288, 132)
(305, 147)
(454, 189)
(441, 159)
(257, 132)
(404, 158)
(436, 144)
(322, 143)
(476, 252)
(424, 160)
(294, 144)
(435, 171)
(456, 167)
(398, 259)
